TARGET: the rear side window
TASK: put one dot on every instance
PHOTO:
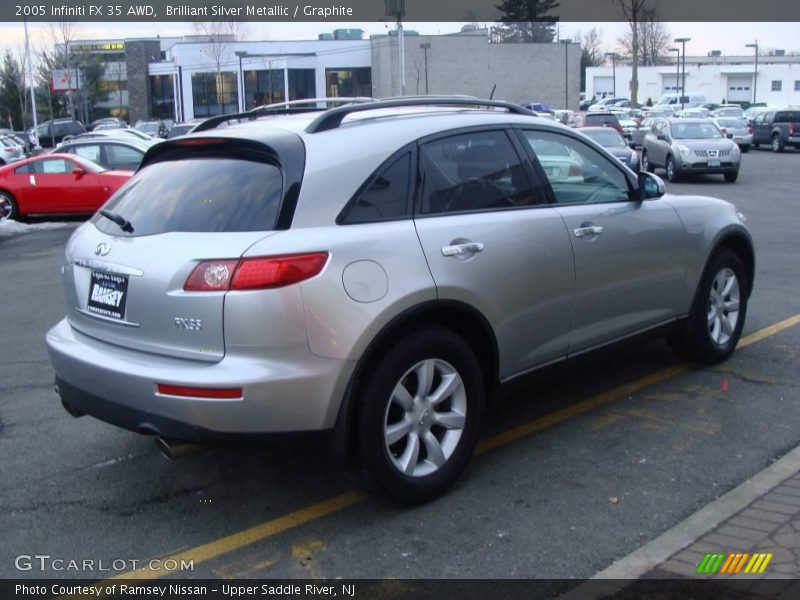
(789, 116)
(198, 195)
(384, 199)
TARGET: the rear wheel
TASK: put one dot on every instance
(777, 143)
(744, 149)
(420, 414)
(717, 316)
(8, 207)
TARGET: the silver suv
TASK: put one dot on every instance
(373, 272)
(690, 146)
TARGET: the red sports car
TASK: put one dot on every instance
(56, 184)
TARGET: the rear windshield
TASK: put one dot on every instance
(788, 116)
(198, 195)
(608, 138)
(732, 123)
(602, 119)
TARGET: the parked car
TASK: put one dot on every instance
(637, 135)
(114, 154)
(742, 132)
(778, 128)
(606, 103)
(55, 184)
(615, 144)
(124, 134)
(677, 101)
(10, 149)
(20, 137)
(157, 129)
(728, 110)
(628, 127)
(567, 117)
(537, 107)
(690, 146)
(52, 133)
(692, 113)
(329, 294)
(180, 129)
(598, 119)
(107, 123)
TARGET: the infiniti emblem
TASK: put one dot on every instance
(102, 249)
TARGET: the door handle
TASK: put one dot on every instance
(586, 230)
(462, 249)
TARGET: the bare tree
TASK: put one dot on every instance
(220, 35)
(592, 50)
(654, 39)
(63, 33)
(634, 12)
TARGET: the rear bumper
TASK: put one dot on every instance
(294, 392)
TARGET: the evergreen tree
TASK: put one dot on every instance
(527, 21)
(10, 92)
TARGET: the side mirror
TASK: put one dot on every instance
(78, 172)
(650, 186)
(729, 136)
(662, 137)
(632, 145)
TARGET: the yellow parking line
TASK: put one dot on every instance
(236, 541)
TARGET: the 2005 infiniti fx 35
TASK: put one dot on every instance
(373, 271)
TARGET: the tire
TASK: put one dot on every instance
(672, 172)
(731, 177)
(646, 166)
(8, 207)
(745, 149)
(777, 143)
(393, 418)
(704, 337)
(755, 145)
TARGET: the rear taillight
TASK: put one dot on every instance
(791, 128)
(574, 171)
(724, 131)
(749, 131)
(257, 273)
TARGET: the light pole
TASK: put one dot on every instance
(677, 66)
(566, 72)
(241, 54)
(613, 56)
(425, 47)
(755, 71)
(683, 41)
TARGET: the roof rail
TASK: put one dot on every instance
(332, 119)
(288, 107)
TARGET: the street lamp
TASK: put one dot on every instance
(425, 46)
(613, 56)
(755, 71)
(683, 41)
(566, 72)
(677, 65)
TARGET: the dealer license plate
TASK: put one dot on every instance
(713, 163)
(107, 294)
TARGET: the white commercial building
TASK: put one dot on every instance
(721, 79)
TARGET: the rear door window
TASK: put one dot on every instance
(385, 197)
(198, 195)
(122, 157)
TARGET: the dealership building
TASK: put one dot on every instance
(196, 77)
(720, 78)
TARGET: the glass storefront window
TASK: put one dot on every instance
(214, 94)
(348, 82)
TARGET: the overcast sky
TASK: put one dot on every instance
(728, 37)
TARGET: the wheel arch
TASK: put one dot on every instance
(743, 248)
(459, 317)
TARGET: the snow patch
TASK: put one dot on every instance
(10, 227)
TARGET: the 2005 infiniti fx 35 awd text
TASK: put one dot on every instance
(374, 271)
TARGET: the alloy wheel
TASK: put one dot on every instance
(425, 418)
(723, 306)
(5, 208)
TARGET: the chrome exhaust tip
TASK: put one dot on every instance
(175, 450)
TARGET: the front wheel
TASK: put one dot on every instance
(716, 319)
(731, 177)
(744, 149)
(420, 413)
(672, 172)
(646, 166)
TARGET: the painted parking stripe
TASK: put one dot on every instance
(268, 529)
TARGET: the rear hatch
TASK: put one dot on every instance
(185, 206)
(791, 120)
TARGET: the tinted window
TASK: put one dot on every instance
(235, 195)
(602, 120)
(608, 138)
(24, 169)
(471, 172)
(790, 116)
(385, 198)
(584, 176)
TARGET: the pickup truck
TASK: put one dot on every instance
(778, 128)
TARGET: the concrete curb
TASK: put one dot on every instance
(623, 571)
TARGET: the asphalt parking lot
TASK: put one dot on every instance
(574, 471)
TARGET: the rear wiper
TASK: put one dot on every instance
(123, 223)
